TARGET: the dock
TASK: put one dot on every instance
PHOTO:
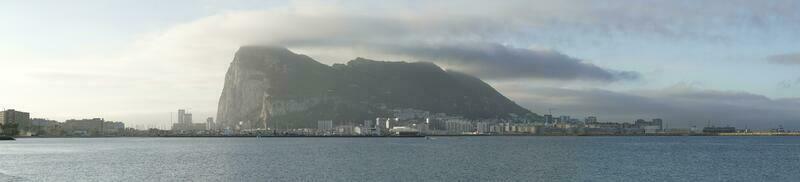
(6, 138)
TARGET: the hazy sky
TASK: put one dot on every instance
(736, 62)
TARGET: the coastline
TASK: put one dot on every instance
(422, 136)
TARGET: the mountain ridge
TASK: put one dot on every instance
(271, 86)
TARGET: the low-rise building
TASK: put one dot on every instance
(188, 127)
(656, 125)
(404, 131)
(458, 126)
(46, 127)
(111, 128)
(717, 130)
(482, 127)
(84, 127)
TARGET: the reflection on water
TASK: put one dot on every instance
(403, 159)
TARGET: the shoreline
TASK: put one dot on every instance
(422, 136)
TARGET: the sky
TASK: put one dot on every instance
(727, 62)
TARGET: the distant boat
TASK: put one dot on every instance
(428, 138)
(6, 138)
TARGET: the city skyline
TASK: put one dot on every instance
(729, 61)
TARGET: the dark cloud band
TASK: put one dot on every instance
(786, 59)
(498, 62)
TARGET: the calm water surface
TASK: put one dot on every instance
(403, 159)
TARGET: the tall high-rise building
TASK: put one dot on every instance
(184, 117)
(185, 122)
(181, 113)
(210, 123)
(11, 117)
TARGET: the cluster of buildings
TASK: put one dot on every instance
(418, 123)
(402, 122)
(18, 123)
(185, 125)
(415, 122)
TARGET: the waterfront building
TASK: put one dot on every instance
(13, 122)
(651, 129)
(46, 127)
(598, 131)
(503, 127)
(84, 127)
(603, 125)
(458, 126)
(404, 131)
(716, 130)
(40, 122)
(198, 126)
(438, 124)
(371, 128)
(385, 123)
(187, 128)
(422, 127)
(591, 119)
(482, 127)
(345, 129)
(496, 128)
(525, 128)
(653, 126)
(111, 128)
(325, 125)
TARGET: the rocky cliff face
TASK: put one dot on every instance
(273, 87)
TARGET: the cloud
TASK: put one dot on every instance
(682, 19)
(485, 39)
(681, 106)
(184, 65)
(466, 43)
(785, 59)
(787, 84)
(489, 40)
(494, 61)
